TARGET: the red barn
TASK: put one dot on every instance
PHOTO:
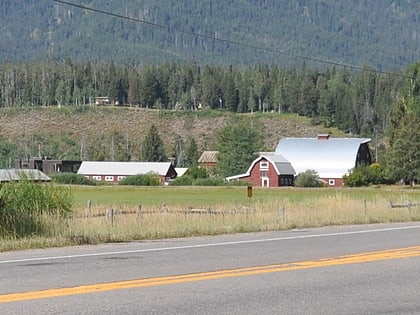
(113, 172)
(268, 171)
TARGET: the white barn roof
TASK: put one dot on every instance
(123, 168)
(7, 175)
(329, 157)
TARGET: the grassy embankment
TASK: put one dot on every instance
(164, 212)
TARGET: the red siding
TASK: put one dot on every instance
(256, 179)
(333, 182)
(115, 178)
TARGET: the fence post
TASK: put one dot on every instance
(109, 214)
(282, 213)
(89, 206)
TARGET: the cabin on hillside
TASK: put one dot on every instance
(102, 100)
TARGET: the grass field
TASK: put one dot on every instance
(125, 196)
(167, 212)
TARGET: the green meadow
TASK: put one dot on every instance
(192, 196)
(147, 213)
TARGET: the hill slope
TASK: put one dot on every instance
(64, 133)
(380, 33)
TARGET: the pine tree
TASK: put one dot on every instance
(191, 154)
(153, 149)
(404, 154)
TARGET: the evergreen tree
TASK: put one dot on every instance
(404, 154)
(153, 149)
(191, 153)
(237, 145)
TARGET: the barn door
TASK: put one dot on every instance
(265, 182)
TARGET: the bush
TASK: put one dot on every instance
(182, 181)
(364, 175)
(195, 172)
(26, 207)
(309, 178)
(213, 181)
(141, 180)
(73, 179)
(190, 177)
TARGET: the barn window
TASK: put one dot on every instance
(109, 178)
(264, 165)
(331, 182)
(264, 173)
(97, 178)
(121, 178)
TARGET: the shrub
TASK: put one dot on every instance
(196, 172)
(309, 178)
(364, 175)
(182, 181)
(26, 207)
(141, 180)
(73, 179)
(190, 177)
(213, 181)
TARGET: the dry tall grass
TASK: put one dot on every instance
(156, 222)
(91, 226)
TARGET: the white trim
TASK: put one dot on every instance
(265, 180)
(109, 178)
(264, 165)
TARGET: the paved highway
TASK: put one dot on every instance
(366, 269)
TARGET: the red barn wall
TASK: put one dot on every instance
(255, 176)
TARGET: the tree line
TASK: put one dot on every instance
(355, 102)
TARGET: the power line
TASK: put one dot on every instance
(226, 41)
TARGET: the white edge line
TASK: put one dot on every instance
(207, 245)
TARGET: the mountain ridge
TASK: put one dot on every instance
(383, 34)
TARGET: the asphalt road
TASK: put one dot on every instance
(366, 269)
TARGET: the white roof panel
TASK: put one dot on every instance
(330, 158)
(123, 168)
(7, 175)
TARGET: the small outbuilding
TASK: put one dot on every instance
(208, 159)
(48, 165)
(268, 171)
(13, 175)
(113, 172)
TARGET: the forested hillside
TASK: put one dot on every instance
(383, 34)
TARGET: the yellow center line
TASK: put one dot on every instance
(203, 276)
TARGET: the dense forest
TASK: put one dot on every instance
(383, 34)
